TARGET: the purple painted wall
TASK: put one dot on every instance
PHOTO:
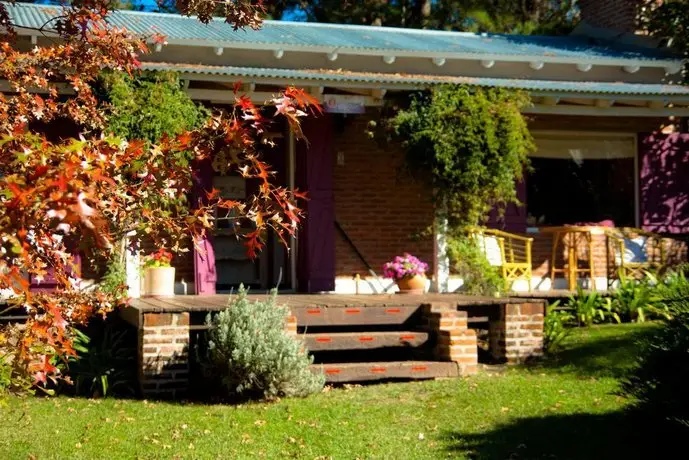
(314, 173)
(514, 219)
(664, 182)
(205, 275)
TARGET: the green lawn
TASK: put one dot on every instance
(565, 407)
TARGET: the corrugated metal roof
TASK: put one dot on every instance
(406, 80)
(352, 38)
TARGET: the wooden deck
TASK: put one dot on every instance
(217, 302)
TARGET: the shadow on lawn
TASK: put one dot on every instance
(608, 356)
(617, 435)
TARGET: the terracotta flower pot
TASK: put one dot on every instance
(412, 285)
(159, 281)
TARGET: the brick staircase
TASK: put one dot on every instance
(355, 344)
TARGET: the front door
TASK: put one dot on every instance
(233, 265)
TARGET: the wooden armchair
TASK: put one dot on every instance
(633, 251)
(509, 252)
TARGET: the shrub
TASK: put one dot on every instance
(671, 293)
(471, 144)
(555, 326)
(106, 362)
(114, 280)
(658, 382)
(633, 300)
(251, 354)
(591, 307)
(470, 262)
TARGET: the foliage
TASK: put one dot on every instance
(671, 292)
(93, 188)
(636, 300)
(500, 16)
(105, 364)
(472, 142)
(469, 261)
(160, 258)
(114, 281)
(405, 266)
(251, 354)
(658, 383)
(149, 106)
(667, 20)
(591, 307)
(555, 326)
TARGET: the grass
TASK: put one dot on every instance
(565, 407)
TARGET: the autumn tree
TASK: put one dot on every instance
(90, 188)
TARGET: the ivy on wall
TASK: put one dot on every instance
(471, 143)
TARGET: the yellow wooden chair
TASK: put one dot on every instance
(633, 251)
(510, 253)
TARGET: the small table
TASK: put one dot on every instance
(571, 236)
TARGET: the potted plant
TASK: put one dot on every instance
(409, 273)
(159, 275)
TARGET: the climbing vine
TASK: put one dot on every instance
(148, 105)
(471, 144)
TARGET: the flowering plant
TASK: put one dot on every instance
(406, 266)
(160, 258)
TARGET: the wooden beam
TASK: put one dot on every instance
(307, 316)
(324, 341)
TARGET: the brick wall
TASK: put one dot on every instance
(164, 355)
(455, 341)
(611, 14)
(516, 332)
(380, 207)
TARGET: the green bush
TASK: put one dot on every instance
(470, 262)
(472, 144)
(556, 326)
(114, 280)
(592, 307)
(106, 362)
(252, 356)
(659, 381)
(634, 300)
(670, 294)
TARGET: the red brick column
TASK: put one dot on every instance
(164, 354)
(516, 332)
(455, 341)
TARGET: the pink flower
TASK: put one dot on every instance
(404, 266)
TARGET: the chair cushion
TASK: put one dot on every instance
(491, 248)
(634, 251)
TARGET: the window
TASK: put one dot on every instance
(582, 178)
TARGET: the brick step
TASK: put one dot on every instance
(364, 340)
(362, 372)
(356, 316)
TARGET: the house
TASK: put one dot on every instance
(606, 118)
